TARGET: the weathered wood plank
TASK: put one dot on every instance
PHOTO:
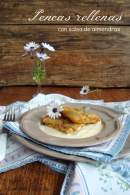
(48, 181)
(98, 59)
(18, 12)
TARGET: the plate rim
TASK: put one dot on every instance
(55, 154)
(115, 133)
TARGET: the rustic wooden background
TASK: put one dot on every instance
(99, 59)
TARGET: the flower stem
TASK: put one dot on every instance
(39, 88)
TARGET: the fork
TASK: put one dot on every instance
(9, 115)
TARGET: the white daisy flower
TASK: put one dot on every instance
(84, 90)
(31, 46)
(42, 56)
(54, 110)
(48, 46)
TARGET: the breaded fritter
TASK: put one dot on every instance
(77, 115)
(61, 124)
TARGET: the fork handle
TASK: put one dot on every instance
(3, 143)
(1, 126)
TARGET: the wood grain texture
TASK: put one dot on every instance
(36, 178)
(99, 59)
(18, 12)
(33, 179)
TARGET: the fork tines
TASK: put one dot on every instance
(9, 116)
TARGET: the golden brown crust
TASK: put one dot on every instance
(61, 124)
(76, 115)
(92, 119)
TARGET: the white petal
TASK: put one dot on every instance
(26, 48)
(82, 92)
(48, 46)
(31, 46)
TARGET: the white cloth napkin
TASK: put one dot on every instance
(103, 152)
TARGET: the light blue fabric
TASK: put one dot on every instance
(104, 152)
(11, 163)
(98, 153)
(84, 178)
(87, 179)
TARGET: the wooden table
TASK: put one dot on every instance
(36, 178)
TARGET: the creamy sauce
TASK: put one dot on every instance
(84, 132)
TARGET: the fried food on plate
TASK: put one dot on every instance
(77, 115)
(62, 124)
(72, 119)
